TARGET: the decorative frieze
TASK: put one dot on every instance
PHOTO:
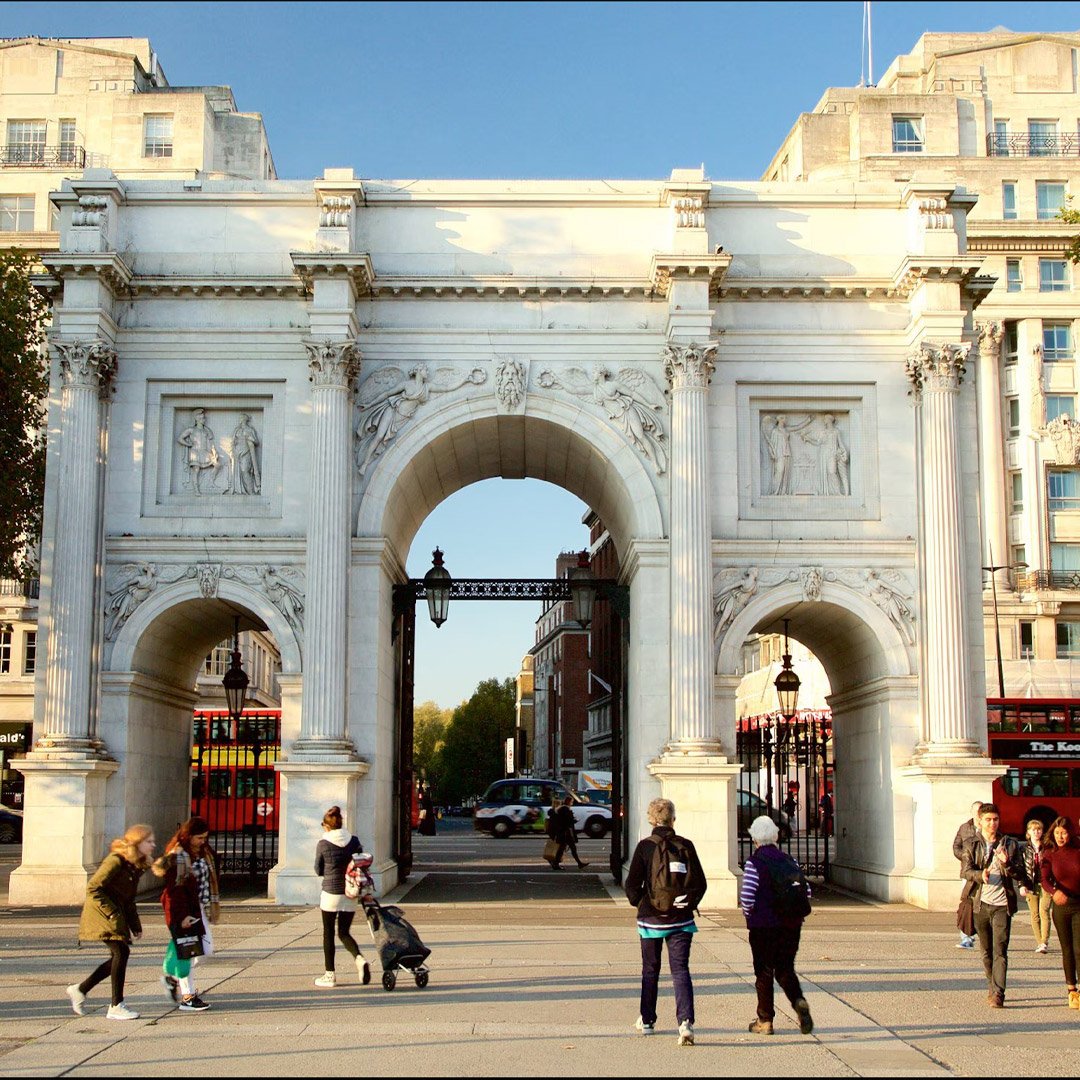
(935, 214)
(1063, 434)
(806, 454)
(335, 211)
(511, 384)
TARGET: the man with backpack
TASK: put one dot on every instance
(775, 899)
(665, 883)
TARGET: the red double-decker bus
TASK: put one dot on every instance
(1038, 739)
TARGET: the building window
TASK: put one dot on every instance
(1008, 200)
(1012, 408)
(219, 661)
(1049, 199)
(1057, 343)
(1014, 278)
(1060, 405)
(67, 142)
(1001, 140)
(30, 653)
(1027, 640)
(907, 135)
(1068, 639)
(1053, 275)
(1012, 344)
(1016, 481)
(1042, 137)
(1019, 555)
(1063, 493)
(5, 652)
(16, 213)
(26, 142)
(158, 135)
(1065, 558)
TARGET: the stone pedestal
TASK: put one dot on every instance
(63, 829)
(308, 790)
(942, 793)
(703, 788)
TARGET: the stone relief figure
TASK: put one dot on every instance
(137, 582)
(806, 455)
(1064, 436)
(888, 596)
(510, 378)
(203, 453)
(631, 400)
(733, 596)
(1038, 392)
(390, 398)
(811, 583)
(280, 587)
(778, 444)
(209, 577)
(246, 474)
(834, 457)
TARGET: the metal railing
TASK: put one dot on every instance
(27, 155)
(1066, 580)
(1022, 144)
(28, 588)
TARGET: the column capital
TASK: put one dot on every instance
(689, 366)
(937, 366)
(990, 333)
(89, 365)
(333, 363)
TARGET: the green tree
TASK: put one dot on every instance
(429, 736)
(472, 756)
(1071, 216)
(24, 382)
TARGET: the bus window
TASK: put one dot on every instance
(1044, 719)
(1010, 782)
(245, 783)
(1045, 783)
(998, 719)
(219, 784)
(1076, 783)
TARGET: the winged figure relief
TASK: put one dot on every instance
(390, 398)
(888, 589)
(629, 398)
(735, 586)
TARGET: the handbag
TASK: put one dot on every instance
(965, 917)
(551, 849)
(189, 940)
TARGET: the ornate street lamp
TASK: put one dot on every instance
(235, 680)
(787, 683)
(437, 582)
(582, 590)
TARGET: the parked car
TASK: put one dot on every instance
(521, 805)
(751, 805)
(11, 822)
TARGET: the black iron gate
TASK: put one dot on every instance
(788, 776)
(234, 786)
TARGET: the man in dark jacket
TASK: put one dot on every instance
(657, 921)
(565, 834)
(967, 831)
(774, 936)
(992, 866)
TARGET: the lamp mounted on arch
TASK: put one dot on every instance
(787, 683)
(235, 680)
(437, 583)
(582, 590)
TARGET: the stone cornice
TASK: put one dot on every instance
(915, 269)
(1008, 237)
(178, 549)
(108, 266)
(354, 265)
(273, 287)
(508, 287)
(665, 268)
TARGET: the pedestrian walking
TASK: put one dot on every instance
(332, 857)
(189, 897)
(1061, 878)
(1039, 900)
(665, 883)
(775, 899)
(427, 812)
(566, 834)
(967, 831)
(110, 916)
(825, 813)
(992, 866)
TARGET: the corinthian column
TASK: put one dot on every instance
(334, 366)
(689, 369)
(991, 446)
(87, 369)
(936, 371)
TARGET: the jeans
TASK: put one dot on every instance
(564, 843)
(115, 968)
(679, 963)
(1067, 924)
(774, 950)
(343, 919)
(1039, 904)
(994, 926)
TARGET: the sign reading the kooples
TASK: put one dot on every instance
(1035, 749)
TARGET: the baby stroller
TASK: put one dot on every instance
(398, 943)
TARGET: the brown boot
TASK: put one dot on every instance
(760, 1027)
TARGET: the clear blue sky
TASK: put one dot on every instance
(518, 90)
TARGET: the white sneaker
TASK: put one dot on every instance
(121, 1012)
(77, 999)
(686, 1033)
(363, 969)
(1040, 948)
(326, 981)
(645, 1029)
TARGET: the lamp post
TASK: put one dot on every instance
(582, 591)
(437, 582)
(235, 680)
(787, 683)
(992, 570)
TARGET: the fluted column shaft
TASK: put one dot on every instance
(334, 367)
(936, 372)
(87, 369)
(991, 446)
(689, 369)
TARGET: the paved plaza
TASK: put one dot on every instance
(533, 973)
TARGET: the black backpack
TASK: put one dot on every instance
(668, 873)
(788, 882)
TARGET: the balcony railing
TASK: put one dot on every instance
(1026, 145)
(1066, 580)
(29, 588)
(43, 157)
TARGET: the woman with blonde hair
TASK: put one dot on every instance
(109, 915)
